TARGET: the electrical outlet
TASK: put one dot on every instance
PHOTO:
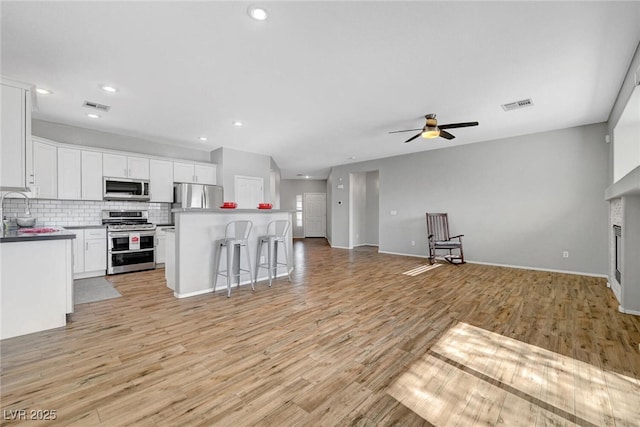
(565, 254)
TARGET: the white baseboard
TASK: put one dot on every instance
(522, 267)
(403, 254)
(223, 286)
(339, 247)
(625, 311)
(550, 270)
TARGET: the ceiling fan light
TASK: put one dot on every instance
(430, 133)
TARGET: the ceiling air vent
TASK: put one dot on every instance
(517, 104)
(96, 106)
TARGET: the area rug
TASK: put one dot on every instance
(93, 289)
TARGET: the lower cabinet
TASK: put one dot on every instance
(161, 245)
(90, 253)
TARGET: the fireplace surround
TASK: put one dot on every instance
(624, 199)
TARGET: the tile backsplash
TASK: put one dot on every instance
(61, 213)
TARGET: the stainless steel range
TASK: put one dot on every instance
(131, 241)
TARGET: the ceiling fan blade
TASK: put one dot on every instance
(413, 137)
(458, 125)
(406, 130)
(446, 135)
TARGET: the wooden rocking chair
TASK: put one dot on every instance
(439, 239)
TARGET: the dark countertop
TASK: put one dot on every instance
(165, 225)
(17, 236)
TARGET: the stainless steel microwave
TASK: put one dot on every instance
(126, 189)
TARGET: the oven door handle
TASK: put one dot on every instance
(131, 251)
(145, 233)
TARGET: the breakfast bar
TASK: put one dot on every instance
(190, 259)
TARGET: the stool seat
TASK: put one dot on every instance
(276, 234)
(236, 237)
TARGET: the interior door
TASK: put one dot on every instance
(249, 191)
(315, 214)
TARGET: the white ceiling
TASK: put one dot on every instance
(321, 82)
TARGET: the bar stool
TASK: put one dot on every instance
(276, 233)
(236, 234)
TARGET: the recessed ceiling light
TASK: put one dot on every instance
(306, 176)
(237, 123)
(93, 116)
(108, 88)
(258, 13)
(202, 138)
(352, 158)
(42, 91)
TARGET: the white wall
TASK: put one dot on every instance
(626, 138)
(519, 201)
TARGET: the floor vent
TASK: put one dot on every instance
(517, 104)
(96, 106)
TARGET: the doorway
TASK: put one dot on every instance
(364, 201)
(315, 214)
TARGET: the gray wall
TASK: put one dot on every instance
(289, 188)
(519, 201)
(242, 163)
(358, 208)
(372, 208)
(111, 141)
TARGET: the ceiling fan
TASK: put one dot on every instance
(432, 130)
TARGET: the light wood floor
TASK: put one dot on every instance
(323, 350)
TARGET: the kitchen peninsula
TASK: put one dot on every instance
(190, 259)
(36, 288)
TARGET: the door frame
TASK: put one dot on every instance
(305, 210)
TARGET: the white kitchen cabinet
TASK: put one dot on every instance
(90, 253)
(69, 174)
(161, 247)
(15, 149)
(194, 173)
(205, 174)
(92, 175)
(78, 253)
(161, 180)
(45, 171)
(119, 166)
(183, 172)
(170, 262)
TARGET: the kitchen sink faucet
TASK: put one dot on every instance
(26, 198)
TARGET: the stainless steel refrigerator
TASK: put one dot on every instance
(197, 196)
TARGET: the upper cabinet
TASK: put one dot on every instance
(92, 175)
(69, 174)
(16, 134)
(161, 181)
(79, 174)
(198, 173)
(45, 171)
(119, 166)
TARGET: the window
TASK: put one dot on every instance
(299, 210)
